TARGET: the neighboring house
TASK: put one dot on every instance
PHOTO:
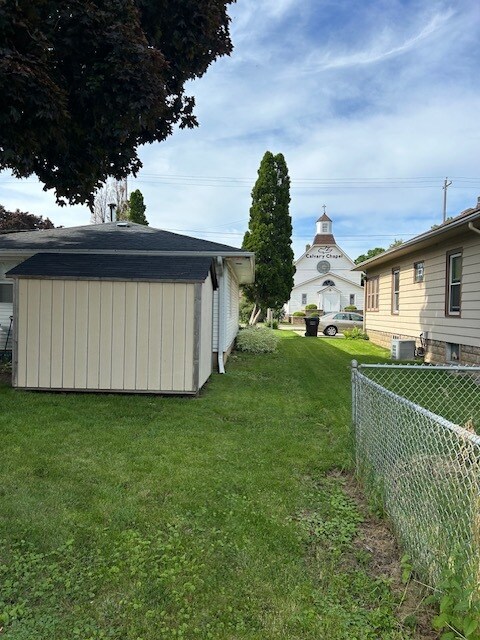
(429, 285)
(119, 307)
(324, 275)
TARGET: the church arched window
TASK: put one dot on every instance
(328, 283)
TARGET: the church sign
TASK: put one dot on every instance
(324, 253)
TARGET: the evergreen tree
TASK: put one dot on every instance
(137, 208)
(269, 235)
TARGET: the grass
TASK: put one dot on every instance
(141, 517)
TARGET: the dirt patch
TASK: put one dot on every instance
(376, 537)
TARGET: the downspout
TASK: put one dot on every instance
(221, 304)
(364, 304)
(472, 228)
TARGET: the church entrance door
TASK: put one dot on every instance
(330, 301)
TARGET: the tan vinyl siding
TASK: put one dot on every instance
(422, 305)
(101, 335)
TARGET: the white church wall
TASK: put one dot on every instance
(320, 263)
(312, 291)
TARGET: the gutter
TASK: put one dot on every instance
(473, 228)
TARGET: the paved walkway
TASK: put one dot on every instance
(300, 330)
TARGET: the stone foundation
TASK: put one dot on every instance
(436, 352)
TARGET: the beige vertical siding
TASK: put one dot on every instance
(206, 332)
(93, 341)
(422, 305)
(101, 335)
(143, 333)
(33, 333)
(22, 331)
(56, 346)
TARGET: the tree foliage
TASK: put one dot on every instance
(269, 235)
(83, 83)
(137, 208)
(22, 221)
(371, 253)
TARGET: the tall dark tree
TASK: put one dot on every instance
(83, 83)
(136, 208)
(269, 235)
(11, 221)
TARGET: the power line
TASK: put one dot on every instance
(344, 182)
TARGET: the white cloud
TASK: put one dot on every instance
(383, 47)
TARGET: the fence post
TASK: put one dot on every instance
(354, 399)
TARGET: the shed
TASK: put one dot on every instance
(233, 267)
(113, 323)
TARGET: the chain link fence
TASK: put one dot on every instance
(418, 452)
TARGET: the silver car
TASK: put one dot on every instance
(332, 323)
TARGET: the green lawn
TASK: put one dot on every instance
(142, 518)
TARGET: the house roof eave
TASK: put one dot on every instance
(422, 241)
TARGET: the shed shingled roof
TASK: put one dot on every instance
(115, 267)
(111, 236)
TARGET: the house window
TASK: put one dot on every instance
(352, 299)
(324, 227)
(419, 271)
(452, 352)
(395, 290)
(6, 292)
(304, 298)
(328, 283)
(454, 282)
(372, 293)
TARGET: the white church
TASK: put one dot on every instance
(324, 275)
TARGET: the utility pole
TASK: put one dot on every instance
(446, 184)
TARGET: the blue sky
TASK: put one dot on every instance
(372, 104)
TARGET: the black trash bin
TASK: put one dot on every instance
(311, 325)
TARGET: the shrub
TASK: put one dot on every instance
(310, 306)
(355, 334)
(351, 307)
(272, 325)
(314, 315)
(298, 314)
(257, 340)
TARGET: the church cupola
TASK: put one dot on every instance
(324, 230)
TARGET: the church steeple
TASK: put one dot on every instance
(324, 230)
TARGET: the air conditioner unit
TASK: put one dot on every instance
(403, 349)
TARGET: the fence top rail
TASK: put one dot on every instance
(416, 367)
(451, 426)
